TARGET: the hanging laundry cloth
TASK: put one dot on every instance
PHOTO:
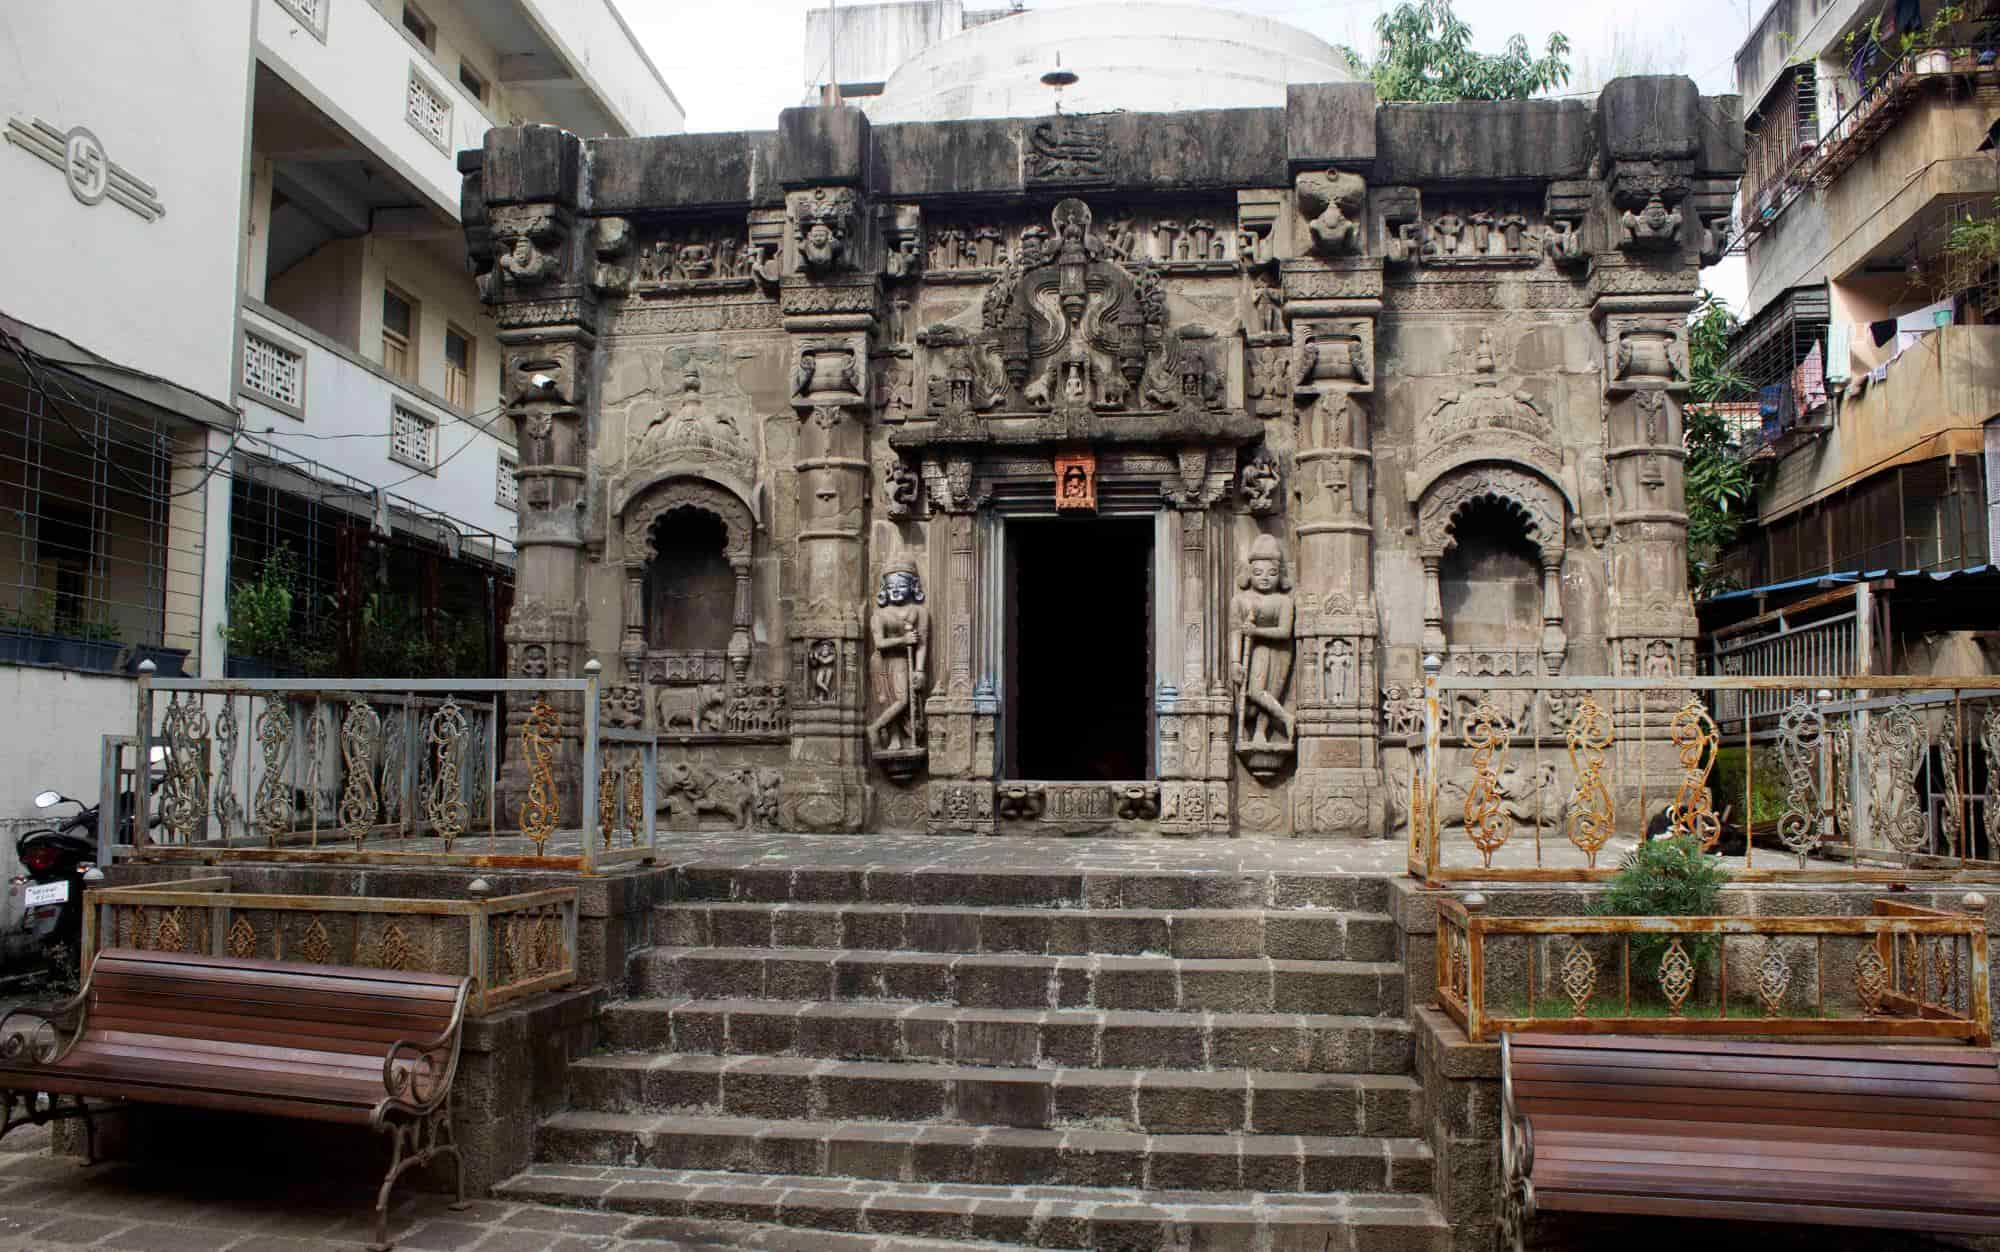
(1809, 381)
(1883, 331)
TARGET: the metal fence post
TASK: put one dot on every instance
(649, 785)
(142, 768)
(593, 669)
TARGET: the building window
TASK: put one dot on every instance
(92, 526)
(470, 79)
(458, 369)
(429, 110)
(422, 28)
(412, 438)
(311, 15)
(506, 486)
(399, 320)
(275, 373)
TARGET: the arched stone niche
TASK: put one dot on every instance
(640, 520)
(1533, 503)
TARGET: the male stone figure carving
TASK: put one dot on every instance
(902, 634)
(1262, 616)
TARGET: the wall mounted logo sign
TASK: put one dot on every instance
(92, 176)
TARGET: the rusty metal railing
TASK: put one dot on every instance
(1553, 779)
(1902, 972)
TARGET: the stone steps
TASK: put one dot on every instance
(1014, 1216)
(1298, 934)
(1027, 887)
(989, 1155)
(1060, 1038)
(1143, 1101)
(1024, 981)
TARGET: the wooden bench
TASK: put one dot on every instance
(319, 1042)
(1897, 1137)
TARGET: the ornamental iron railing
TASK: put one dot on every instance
(1554, 779)
(393, 770)
(1903, 972)
(511, 946)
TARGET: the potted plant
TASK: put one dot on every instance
(35, 635)
(258, 631)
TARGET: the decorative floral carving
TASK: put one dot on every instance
(360, 734)
(1579, 976)
(1590, 816)
(1676, 975)
(1694, 733)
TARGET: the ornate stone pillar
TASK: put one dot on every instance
(1331, 304)
(1651, 133)
(531, 253)
(830, 294)
(632, 640)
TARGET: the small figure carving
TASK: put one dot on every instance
(1563, 243)
(1446, 230)
(901, 485)
(901, 630)
(1021, 803)
(821, 658)
(1137, 802)
(1260, 483)
(1660, 659)
(821, 224)
(1262, 614)
(1267, 315)
(625, 706)
(1339, 665)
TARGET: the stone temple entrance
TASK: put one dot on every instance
(1078, 699)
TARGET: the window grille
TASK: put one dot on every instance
(507, 487)
(100, 524)
(311, 14)
(412, 438)
(274, 371)
(429, 110)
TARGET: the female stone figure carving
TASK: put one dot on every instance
(1261, 614)
(901, 631)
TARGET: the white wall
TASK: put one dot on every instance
(165, 88)
(344, 397)
(603, 51)
(69, 713)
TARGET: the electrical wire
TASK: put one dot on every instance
(22, 353)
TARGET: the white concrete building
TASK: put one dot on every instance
(238, 320)
(931, 60)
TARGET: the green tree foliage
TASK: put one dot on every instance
(1424, 53)
(1719, 484)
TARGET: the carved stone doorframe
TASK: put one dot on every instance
(1180, 490)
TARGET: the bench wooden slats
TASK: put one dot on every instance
(1851, 1135)
(312, 1042)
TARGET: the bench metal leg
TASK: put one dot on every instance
(414, 1143)
(23, 1108)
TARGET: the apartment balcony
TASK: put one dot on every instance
(322, 402)
(1931, 402)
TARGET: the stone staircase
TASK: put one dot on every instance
(1010, 1057)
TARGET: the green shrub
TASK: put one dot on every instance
(260, 610)
(1665, 878)
(1767, 802)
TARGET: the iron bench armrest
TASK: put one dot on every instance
(418, 1076)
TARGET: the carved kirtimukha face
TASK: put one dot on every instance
(1264, 575)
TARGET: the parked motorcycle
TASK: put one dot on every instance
(47, 897)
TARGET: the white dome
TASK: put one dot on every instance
(1141, 57)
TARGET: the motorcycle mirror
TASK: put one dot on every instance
(47, 799)
(158, 755)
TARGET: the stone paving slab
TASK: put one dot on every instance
(49, 1202)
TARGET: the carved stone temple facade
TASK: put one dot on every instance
(1107, 472)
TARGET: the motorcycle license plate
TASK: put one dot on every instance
(40, 893)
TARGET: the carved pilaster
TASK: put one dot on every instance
(1332, 316)
(536, 259)
(830, 303)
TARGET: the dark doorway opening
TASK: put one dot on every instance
(1079, 654)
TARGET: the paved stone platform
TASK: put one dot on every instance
(49, 1202)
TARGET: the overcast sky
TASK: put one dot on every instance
(735, 63)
